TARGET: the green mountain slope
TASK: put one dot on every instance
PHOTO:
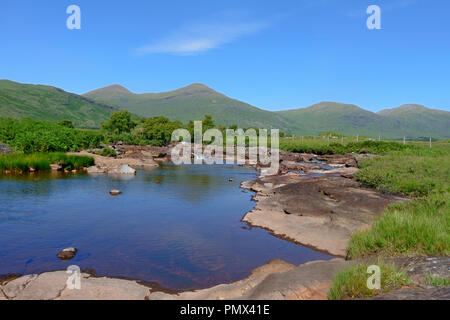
(343, 118)
(417, 120)
(349, 119)
(191, 103)
(48, 103)
(194, 101)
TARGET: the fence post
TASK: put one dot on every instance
(404, 140)
(357, 138)
(431, 144)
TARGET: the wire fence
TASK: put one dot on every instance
(344, 139)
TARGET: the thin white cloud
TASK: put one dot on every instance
(202, 37)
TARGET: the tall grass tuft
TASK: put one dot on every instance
(420, 226)
(23, 163)
(352, 282)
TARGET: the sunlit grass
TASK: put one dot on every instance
(23, 163)
(352, 282)
(420, 226)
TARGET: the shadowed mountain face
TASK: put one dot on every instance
(191, 103)
(49, 103)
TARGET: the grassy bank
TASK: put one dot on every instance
(322, 147)
(23, 163)
(352, 282)
(417, 227)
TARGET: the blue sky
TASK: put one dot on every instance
(272, 54)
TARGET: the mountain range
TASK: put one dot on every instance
(40, 102)
(196, 100)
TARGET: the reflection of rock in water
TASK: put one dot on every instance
(122, 177)
(159, 179)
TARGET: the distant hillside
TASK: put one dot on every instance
(194, 101)
(48, 103)
(191, 103)
(417, 120)
(410, 121)
(343, 118)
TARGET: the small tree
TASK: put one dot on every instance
(208, 123)
(159, 130)
(120, 122)
(66, 123)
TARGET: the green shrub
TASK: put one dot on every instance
(107, 152)
(32, 136)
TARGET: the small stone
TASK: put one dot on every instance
(67, 254)
(115, 192)
(56, 167)
(95, 170)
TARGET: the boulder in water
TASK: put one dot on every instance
(115, 192)
(56, 167)
(123, 169)
(67, 254)
(95, 169)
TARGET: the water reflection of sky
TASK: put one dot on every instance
(178, 226)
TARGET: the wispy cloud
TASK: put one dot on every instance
(201, 37)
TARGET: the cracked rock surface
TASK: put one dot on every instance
(53, 286)
(319, 212)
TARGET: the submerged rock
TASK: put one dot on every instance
(67, 254)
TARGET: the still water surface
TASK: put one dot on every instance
(178, 226)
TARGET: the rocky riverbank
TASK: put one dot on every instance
(313, 201)
(319, 210)
(126, 162)
(277, 280)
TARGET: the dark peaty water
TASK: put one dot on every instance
(178, 226)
